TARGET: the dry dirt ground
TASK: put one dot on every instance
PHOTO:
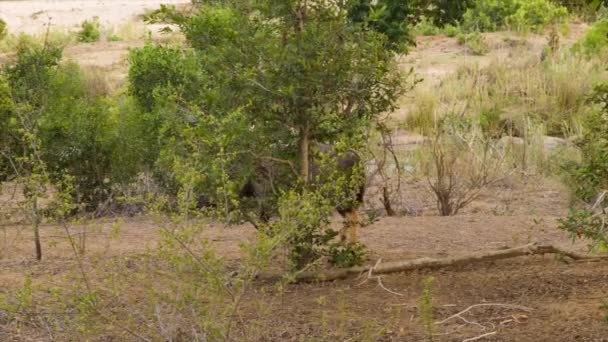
(563, 298)
(32, 16)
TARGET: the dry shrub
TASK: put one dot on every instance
(461, 163)
(96, 81)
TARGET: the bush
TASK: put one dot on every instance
(3, 29)
(426, 27)
(522, 15)
(451, 30)
(595, 40)
(535, 15)
(590, 176)
(475, 43)
(71, 122)
(387, 17)
(461, 164)
(156, 69)
(441, 12)
(489, 15)
(89, 31)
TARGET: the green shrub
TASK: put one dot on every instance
(75, 132)
(346, 254)
(451, 30)
(426, 27)
(156, 68)
(475, 43)
(535, 15)
(604, 308)
(595, 40)
(441, 12)
(489, 15)
(522, 15)
(89, 31)
(583, 223)
(590, 176)
(387, 17)
(114, 38)
(3, 29)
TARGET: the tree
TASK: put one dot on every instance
(272, 79)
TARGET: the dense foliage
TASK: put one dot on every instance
(260, 85)
(50, 101)
(589, 178)
(442, 12)
(595, 40)
(522, 15)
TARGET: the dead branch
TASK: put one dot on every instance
(431, 263)
(479, 337)
(508, 306)
(379, 279)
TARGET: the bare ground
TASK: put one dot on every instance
(564, 298)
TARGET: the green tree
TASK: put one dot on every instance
(273, 78)
(54, 108)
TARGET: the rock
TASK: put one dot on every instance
(507, 142)
(552, 143)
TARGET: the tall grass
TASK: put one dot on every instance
(552, 92)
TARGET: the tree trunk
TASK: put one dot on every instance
(305, 153)
(386, 200)
(36, 224)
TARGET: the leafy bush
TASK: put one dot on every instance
(583, 223)
(475, 42)
(451, 30)
(89, 31)
(426, 27)
(70, 121)
(535, 15)
(522, 15)
(346, 254)
(589, 178)
(441, 12)
(155, 70)
(489, 15)
(387, 17)
(115, 38)
(3, 29)
(604, 308)
(595, 40)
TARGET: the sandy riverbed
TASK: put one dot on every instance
(32, 16)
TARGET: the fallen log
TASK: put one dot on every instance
(431, 263)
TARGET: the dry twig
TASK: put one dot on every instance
(479, 337)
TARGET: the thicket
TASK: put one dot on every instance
(588, 178)
(595, 40)
(52, 101)
(441, 12)
(521, 15)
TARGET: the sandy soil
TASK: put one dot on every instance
(33, 16)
